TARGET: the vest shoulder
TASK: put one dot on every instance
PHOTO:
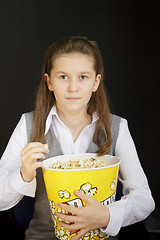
(28, 114)
(115, 125)
(114, 117)
(29, 119)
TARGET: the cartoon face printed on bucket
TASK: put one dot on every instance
(60, 187)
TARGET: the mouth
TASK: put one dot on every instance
(72, 98)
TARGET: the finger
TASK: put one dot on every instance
(66, 217)
(69, 208)
(29, 159)
(83, 196)
(30, 167)
(37, 146)
(81, 233)
(31, 145)
(38, 165)
(39, 149)
(33, 157)
(70, 227)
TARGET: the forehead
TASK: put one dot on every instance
(73, 61)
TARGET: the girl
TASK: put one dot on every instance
(72, 116)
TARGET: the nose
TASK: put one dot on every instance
(73, 85)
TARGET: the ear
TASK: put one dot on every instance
(97, 82)
(48, 81)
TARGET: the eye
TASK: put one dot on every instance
(63, 77)
(83, 77)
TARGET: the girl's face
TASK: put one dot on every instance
(73, 80)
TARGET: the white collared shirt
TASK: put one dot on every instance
(135, 205)
(64, 136)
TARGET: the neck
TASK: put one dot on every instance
(75, 121)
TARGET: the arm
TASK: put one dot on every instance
(12, 186)
(137, 202)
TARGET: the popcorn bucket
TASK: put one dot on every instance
(60, 185)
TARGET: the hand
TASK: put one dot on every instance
(93, 216)
(29, 156)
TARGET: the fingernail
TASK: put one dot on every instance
(76, 191)
(58, 204)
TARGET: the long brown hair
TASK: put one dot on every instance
(98, 102)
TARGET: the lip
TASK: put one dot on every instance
(72, 98)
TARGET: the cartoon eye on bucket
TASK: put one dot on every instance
(88, 189)
(64, 194)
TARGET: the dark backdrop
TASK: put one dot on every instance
(129, 37)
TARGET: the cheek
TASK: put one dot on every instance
(58, 92)
(57, 88)
(88, 93)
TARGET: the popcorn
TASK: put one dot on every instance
(46, 146)
(79, 164)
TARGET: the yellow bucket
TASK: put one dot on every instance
(60, 185)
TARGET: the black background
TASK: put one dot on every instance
(129, 38)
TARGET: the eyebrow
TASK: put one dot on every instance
(86, 73)
(61, 72)
(67, 73)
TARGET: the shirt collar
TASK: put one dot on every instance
(49, 118)
(53, 112)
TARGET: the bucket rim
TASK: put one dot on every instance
(74, 156)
